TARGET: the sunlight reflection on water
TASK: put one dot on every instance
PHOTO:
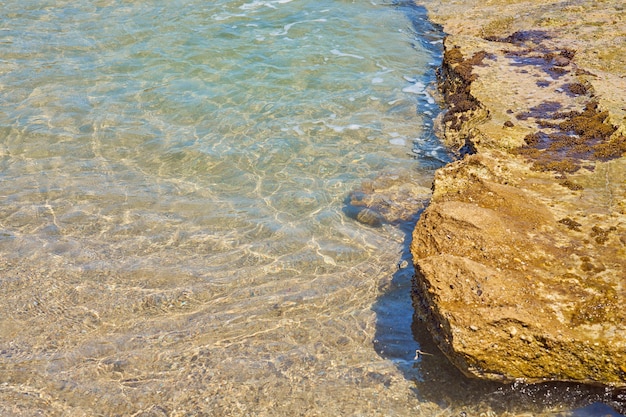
(172, 239)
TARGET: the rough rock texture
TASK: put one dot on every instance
(521, 255)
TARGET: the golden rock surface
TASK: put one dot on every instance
(521, 254)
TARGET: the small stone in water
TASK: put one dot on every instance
(369, 217)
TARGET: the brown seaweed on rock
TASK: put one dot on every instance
(581, 135)
(455, 80)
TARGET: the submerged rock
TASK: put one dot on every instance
(392, 197)
(521, 255)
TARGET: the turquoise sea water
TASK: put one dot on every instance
(173, 236)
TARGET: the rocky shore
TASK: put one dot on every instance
(521, 254)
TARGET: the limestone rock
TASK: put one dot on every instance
(521, 254)
(508, 289)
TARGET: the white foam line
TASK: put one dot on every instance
(340, 129)
(417, 88)
(220, 17)
(257, 4)
(397, 141)
(339, 53)
(290, 25)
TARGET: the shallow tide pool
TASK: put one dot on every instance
(173, 232)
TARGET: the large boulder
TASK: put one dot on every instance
(512, 288)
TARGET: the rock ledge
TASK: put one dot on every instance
(521, 254)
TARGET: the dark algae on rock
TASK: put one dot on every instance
(580, 136)
(456, 77)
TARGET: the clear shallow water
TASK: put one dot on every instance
(172, 239)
